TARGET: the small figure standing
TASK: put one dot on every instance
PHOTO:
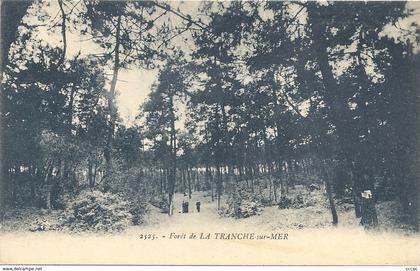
(185, 207)
(198, 204)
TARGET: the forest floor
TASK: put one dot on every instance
(310, 239)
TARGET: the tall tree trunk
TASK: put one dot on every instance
(90, 173)
(206, 177)
(183, 180)
(329, 193)
(66, 180)
(63, 32)
(211, 184)
(111, 105)
(48, 184)
(275, 184)
(189, 183)
(173, 156)
(329, 82)
(12, 13)
(226, 144)
(94, 172)
(167, 176)
(277, 111)
(218, 185)
(32, 179)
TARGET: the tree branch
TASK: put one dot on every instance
(63, 32)
(170, 38)
(182, 16)
(294, 107)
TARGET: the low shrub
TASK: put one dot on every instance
(285, 202)
(98, 211)
(138, 208)
(242, 204)
(40, 225)
(297, 201)
(160, 203)
(247, 208)
(266, 202)
(312, 187)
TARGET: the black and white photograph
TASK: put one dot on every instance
(209, 133)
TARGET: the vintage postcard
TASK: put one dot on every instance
(210, 132)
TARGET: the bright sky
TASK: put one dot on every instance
(134, 85)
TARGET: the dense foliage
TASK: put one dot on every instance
(267, 96)
(98, 211)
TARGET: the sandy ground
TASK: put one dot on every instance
(347, 244)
